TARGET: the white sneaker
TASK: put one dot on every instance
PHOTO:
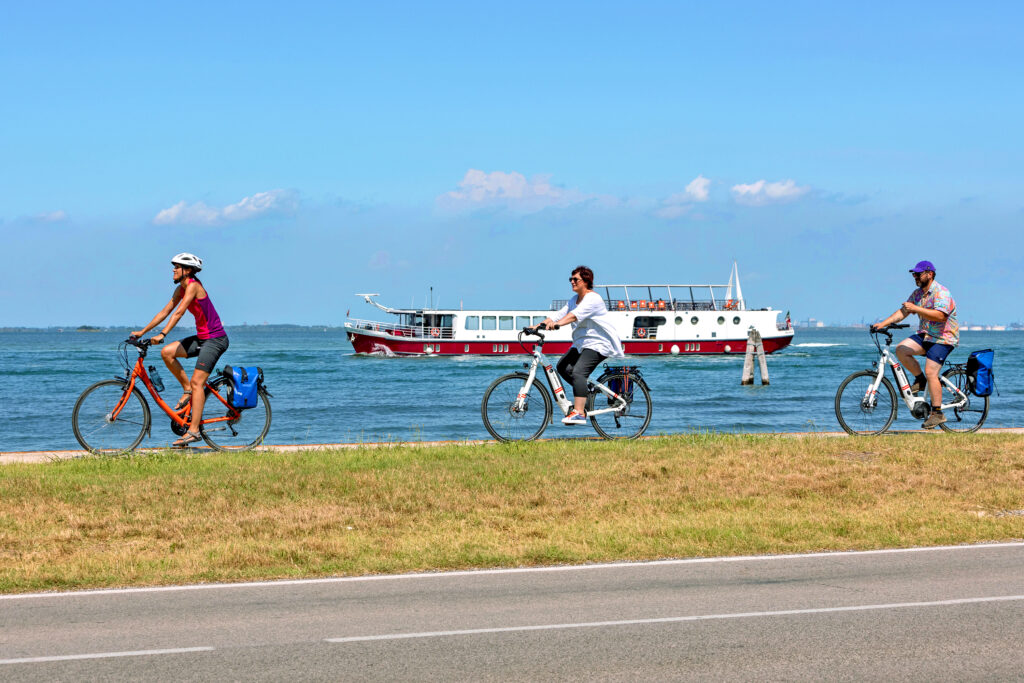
(574, 418)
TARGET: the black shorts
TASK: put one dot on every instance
(208, 351)
(933, 350)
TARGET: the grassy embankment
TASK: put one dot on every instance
(174, 517)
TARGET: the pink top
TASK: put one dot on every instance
(207, 321)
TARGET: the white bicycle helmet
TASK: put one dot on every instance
(187, 259)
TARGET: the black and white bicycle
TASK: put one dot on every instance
(517, 407)
(866, 400)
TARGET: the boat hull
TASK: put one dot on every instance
(382, 344)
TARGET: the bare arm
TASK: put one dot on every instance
(896, 317)
(184, 300)
(927, 313)
(159, 317)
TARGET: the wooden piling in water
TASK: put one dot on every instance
(754, 345)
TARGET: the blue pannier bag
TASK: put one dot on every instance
(245, 383)
(979, 370)
(621, 385)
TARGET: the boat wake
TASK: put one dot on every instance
(382, 351)
(815, 345)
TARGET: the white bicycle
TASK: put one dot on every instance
(517, 407)
(866, 401)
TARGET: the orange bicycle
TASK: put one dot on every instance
(113, 416)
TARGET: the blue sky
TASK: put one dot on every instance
(308, 151)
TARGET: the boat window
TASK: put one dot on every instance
(522, 321)
(721, 320)
(537, 320)
(693, 320)
(736, 320)
(489, 321)
(505, 322)
(472, 322)
(679, 321)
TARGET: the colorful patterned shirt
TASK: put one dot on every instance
(937, 298)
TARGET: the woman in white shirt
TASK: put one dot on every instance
(594, 338)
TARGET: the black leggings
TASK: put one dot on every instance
(575, 366)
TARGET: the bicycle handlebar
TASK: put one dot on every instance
(884, 330)
(138, 342)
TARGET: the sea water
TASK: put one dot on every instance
(324, 393)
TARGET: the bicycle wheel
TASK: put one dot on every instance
(503, 421)
(630, 422)
(248, 431)
(968, 417)
(859, 416)
(96, 431)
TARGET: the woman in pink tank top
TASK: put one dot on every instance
(206, 345)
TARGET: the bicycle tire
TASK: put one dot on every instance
(501, 419)
(96, 432)
(962, 420)
(247, 432)
(612, 426)
(853, 416)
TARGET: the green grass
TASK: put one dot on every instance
(173, 518)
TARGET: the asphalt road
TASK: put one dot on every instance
(923, 614)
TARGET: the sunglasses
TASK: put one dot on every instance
(574, 280)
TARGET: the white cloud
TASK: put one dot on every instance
(763, 192)
(259, 204)
(673, 210)
(697, 190)
(511, 190)
(51, 216)
(680, 203)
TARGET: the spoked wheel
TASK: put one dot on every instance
(95, 426)
(971, 415)
(506, 423)
(247, 431)
(628, 423)
(861, 414)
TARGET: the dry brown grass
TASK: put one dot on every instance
(175, 518)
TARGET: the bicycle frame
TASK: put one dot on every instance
(555, 382)
(182, 417)
(889, 358)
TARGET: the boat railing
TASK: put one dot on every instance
(420, 332)
(645, 332)
(782, 327)
(661, 305)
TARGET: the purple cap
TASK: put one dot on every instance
(923, 266)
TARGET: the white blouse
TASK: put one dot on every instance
(594, 327)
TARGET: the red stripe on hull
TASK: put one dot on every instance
(370, 344)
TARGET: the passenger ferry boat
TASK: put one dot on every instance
(651, 320)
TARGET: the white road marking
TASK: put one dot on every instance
(105, 655)
(673, 620)
(510, 570)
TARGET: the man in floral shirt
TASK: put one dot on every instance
(937, 335)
